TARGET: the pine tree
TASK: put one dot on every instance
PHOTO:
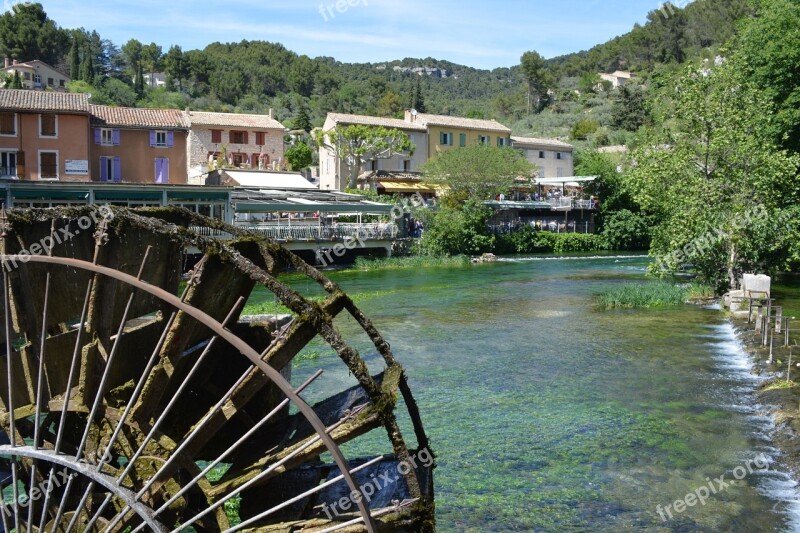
(417, 100)
(301, 120)
(74, 61)
(16, 82)
(139, 82)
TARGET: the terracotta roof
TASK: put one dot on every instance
(27, 100)
(342, 118)
(540, 142)
(133, 117)
(236, 120)
(459, 122)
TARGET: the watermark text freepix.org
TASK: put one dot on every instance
(713, 487)
(61, 236)
(365, 492)
(329, 11)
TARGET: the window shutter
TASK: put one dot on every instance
(115, 137)
(441, 138)
(104, 169)
(245, 134)
(230, 137)
(97, 134)
(117, 170)
(152, 138)
(254, 161)
(462, 139)
(170, 139)
(216, 136)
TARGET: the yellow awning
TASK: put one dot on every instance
(405, 186)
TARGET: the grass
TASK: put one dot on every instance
(652, 294)
(781, 384)
(414, 261)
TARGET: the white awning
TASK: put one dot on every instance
(572, 181)
(270, 180)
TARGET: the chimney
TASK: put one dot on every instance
(411, 115)
(15, 62)
(7, 63)
(271, 113)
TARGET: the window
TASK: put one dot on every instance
(110, 169)
(216, 136)
(239, 159)
(48, 125)
(484, 139)
(8, 164)
(8, 124)
(238, 137)
(541, 172)
(559, 155)
(541, 154)
(559, 172)
(260, 138)
(162, 139)
(48, 165)
(50, 82)
(407, 165)
(27, 76)
(446, 139)
(106, 137)
(162, 170)
(61, 83)
(462, 140)
(502, 141)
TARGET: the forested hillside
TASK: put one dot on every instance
(252, 76)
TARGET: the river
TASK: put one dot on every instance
(548, 413)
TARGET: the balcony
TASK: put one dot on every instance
(285, 233)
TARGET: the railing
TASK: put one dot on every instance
(555, 226)
(311, 233)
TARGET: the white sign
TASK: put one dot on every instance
(76, 166)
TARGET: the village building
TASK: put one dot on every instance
(44, 136)
(137, 145)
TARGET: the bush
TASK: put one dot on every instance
(625, 230)
(583, 129)
(454, 232)
(530, 241)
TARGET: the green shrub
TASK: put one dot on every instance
(625, 230)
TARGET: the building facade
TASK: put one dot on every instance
(552, 158)
(44, 136)
(135, 145)
(334, 172)
(248, 141)
(445, 132)
(37, 75)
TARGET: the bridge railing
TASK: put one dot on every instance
(311, 233)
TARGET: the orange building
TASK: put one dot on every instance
(134, 145)
(44, 136)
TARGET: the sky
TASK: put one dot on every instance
(481, 34)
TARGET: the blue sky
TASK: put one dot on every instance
(482, 34)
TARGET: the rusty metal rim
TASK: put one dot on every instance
(229, 337)
(87, 470)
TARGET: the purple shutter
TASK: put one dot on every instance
(162, 170)
(117, 170)
(103, 169)
(170, 139)
(97, 136)
(152, 138)
(115, 137)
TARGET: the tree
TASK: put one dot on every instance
(26, 33)
(74, 60)
(357, 144)
(151, 58)
(416, 99)
(479, 172)
(390, 104)
(132, 51)
(301, 120)
(584, 128)
(630, 109)
(301, 76)
(717, 185)
(299, 156)
(534, 72)
(769, 54)
(176, 65)
(16, 81)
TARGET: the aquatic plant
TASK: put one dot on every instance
(651, 294)
(414, 261)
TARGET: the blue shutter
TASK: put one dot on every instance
(115, 137)
(103, 169)
(117, 170)
(162, 170)
(441, 137)
(97, 136)
(170, 139)
(152, 138)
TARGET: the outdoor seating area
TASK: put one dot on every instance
(543, 224)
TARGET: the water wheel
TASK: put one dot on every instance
(133, 401)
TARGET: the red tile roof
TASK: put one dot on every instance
(235, 120)
(133, 117)
(35, 101)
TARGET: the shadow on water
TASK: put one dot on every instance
(547, 413)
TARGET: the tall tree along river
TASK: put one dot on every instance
(548, 413)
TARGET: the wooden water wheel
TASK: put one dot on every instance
(122, 390)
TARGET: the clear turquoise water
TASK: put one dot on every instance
(548, 414)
